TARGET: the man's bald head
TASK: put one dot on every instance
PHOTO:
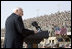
(18, 11)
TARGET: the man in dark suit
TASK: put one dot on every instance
(15, 31)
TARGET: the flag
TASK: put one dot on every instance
(63, 31)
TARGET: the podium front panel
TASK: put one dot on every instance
(36, 38)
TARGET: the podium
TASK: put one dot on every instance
(36, 38)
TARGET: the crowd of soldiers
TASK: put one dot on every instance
(47, 22)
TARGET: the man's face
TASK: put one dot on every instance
(20, 11)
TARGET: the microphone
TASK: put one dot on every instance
(35, 24)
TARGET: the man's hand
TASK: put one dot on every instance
(35, 32)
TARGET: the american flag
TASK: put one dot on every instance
(57, 30)
(63, 31)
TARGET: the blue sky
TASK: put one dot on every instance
(32, 8)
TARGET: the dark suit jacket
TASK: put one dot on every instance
(15, 32)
